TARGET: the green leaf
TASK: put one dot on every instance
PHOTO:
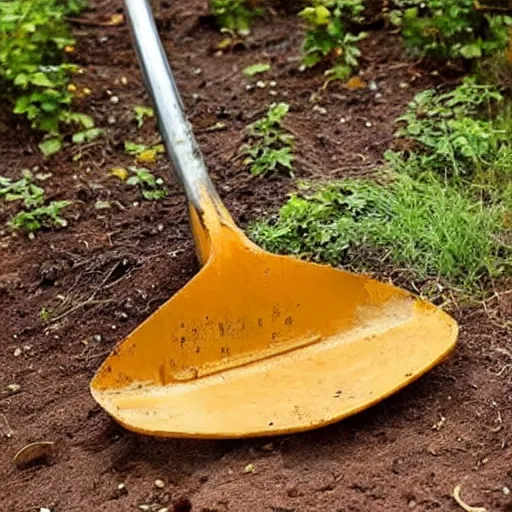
(87, 135)
(255, 69)
(41, 79)
(471, 51)
(141, 112)
(50, 146)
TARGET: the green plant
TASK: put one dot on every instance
(142, 112)
(235, 15)
(33, 41)
(23, 189)
(35, 214)
(269, 148)
(328, 38)
(464, 133)
(432, 229)
(151, 187)
(453, 29)
(256, 69)
(44, 216)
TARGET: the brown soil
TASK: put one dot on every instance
(110, 269)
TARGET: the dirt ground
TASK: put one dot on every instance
(111, 268)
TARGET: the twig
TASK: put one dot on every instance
(10, 431)
(90, 299)
(465, 506)
(482, 7)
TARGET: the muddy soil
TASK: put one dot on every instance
(111, 268)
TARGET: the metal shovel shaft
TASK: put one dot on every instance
(175, 129)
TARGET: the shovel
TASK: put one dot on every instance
(256, 344)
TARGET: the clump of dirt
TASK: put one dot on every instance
(111, 268)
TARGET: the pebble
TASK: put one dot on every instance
(368, 124)
(98, 338)
(164, 509)
(343, 120)
(403, 85)
(159, 484)
(411, 504)
(249, 87)
(13, 388)
(372, 85)
(17, 352)
(160, 227)
(114, 100)
(144, 508)
(272, 83)
(44, 509)
(320, 110)
(261, 84)
(378, 95)
(506, 491)
(197, 71)
(111, 120)
(272, 93)
(249, 468)
(123, 80)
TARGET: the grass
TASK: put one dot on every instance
(433, 230)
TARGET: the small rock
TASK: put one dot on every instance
(403, 85)
(197, 71)
(144, 508)
(98, 338)
(136, 203)
(114, 100)
(411, 504)
(372, 85)
(195, 96)
(114, 327)
(159, 484)
(123, 80)
(272, 83)
(45, 509)
(268, 447)
(261, 84)
(13, 388)
(111, 120)
(103, 39)
(320, 110)
(378, 95)
(272, 93)
(249, 87)
(343, 120)
(505, 491)
(249, 468)
(17, 352)
(368, 124)
(163, 509)
(160, 227)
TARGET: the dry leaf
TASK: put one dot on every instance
(356, 82)
(119, 172)
(32, 453)
(116, 19)
(148, 156)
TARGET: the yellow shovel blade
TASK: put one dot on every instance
(259, 344)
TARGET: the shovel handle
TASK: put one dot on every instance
(175, 129)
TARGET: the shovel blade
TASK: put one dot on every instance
(279, 346)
